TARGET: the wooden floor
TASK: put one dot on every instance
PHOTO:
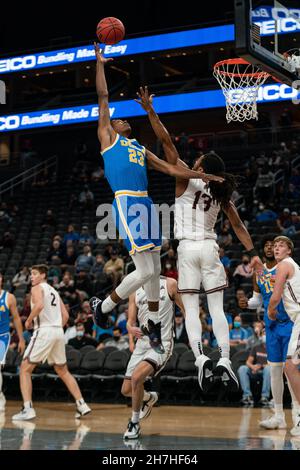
(168, 427)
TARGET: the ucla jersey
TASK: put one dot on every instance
(4, 313)
(266, 287)
(134, 213)
(125, 165)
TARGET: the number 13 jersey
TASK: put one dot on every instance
(195, 213)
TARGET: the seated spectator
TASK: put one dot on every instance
(264, 214)
(85, 237)
(55, 253)
(256, 337)
(180, 330)
(69, 257)
(7, 241)
(67, 290)
(284, 221)
(97, 174)
(295, 227)
(98, 267)
(71, 235)
(118, 341)
(264, 187)
(225, 237)
(256, 366)
(71, 330)
(22, 278)
(85, 316)
(170, 269)
(238, 335)
(295, 178)
(26, 309)
(86, 198)
(225, 260)
(122, 321)
(83, 284)
(293, 192)
(242, 271)
(114, 267)
(82, 339)
(49, 220)
(86, 260)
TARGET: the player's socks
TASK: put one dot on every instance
(135, 418)
(108, 305)
(27, 404)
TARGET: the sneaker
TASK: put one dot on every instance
(82, 410)
(264, 402)
(153, 331)
(273, 422)
(148, 405)
(205, 375)
(2, 401)
(133, 431)
(295, 431)
(134, 444)
(247, 401)
(24, 415)
(224, 370)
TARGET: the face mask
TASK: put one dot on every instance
(168, 266)
(236, 324)
(257, 331)
(263, 338)
(80, 334)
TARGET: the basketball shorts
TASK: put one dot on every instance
(4, 345)
(277, 341)
(47, 344)
(137, 221)
(144, 352)
(294, 343)
(199, 263)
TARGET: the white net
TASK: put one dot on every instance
(240, 82)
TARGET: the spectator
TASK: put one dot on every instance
(238, 335)
(264, 214)
(225, 260)
(294, 228)
(98, 267)
(82, 339)
(71, 235)
(49, 220)
(295, 177)
(97, 174)
(180, 330)
(118, 341)
(26, 309)
(256, 338)
(86, 198)
(67, 290)
(21, 278)
(55, 253)
(71, 330)
(83, 284)
(85, 237)
(293, 192)
(243, 271)
(114, 267)
(86, 260)
(4, 216)
(7, 241)
(256, 366)
(284, 221)
(264, 187)
(225, 237)
(69, 258)
(170, 269)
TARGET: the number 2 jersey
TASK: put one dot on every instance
(51, 313)
(195, 213)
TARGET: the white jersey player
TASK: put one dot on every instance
(144, 361)
(287, 287)
(48, 316)
(197, 206)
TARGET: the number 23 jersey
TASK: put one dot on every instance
(195, 213)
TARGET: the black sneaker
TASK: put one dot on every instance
(103, 320)
(153, 331)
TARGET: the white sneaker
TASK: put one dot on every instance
(2, 401)
(24, 415)
(273, 422)
(224, 370)
(133, 431)
(82, 410)
(205, 375)
(148, 405)
(295, 431)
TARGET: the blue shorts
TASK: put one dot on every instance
(137, 221)
(4, 345)
(277, 341)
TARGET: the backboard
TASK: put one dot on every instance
(267, 34)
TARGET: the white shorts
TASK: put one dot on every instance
(47, 344)
(144, 352)
(4, 345)
(199, 262)
(294, 343)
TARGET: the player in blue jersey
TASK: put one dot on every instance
(278, 333)
(8, 305)
(125, 165)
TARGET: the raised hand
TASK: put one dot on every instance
(99, 56)
(145, 100)
(206, 177)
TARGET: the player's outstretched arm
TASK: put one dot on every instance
(146, 101)
(12, 305)
(284, 271)
(178, 171)
(243, 235)
(106, 134)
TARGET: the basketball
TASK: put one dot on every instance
(110, 30)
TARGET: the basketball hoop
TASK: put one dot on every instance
(240, 82)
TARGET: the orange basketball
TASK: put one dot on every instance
(110, 30)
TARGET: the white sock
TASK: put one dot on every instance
(146, 396)
(196, 347)
(108, 305)
(80, 402)
(192, 322)
(135, 418)
(277, 387)
(219, 323)
(27, 405)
